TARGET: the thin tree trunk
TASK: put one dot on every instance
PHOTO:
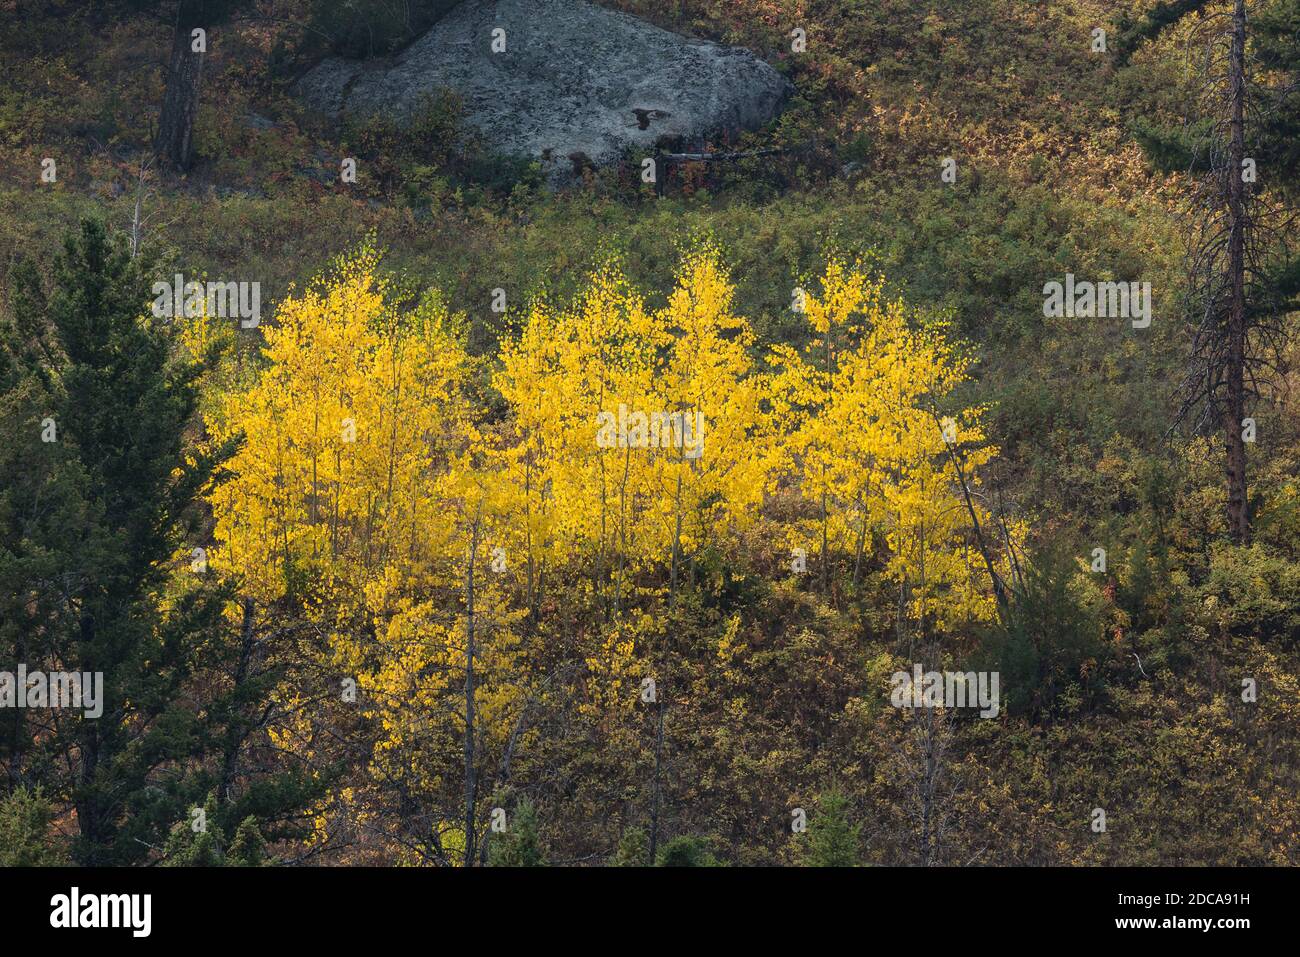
(231, 756)
(826, 557)
(654, 804)
(469, 693)
(1235, 409)
(999, 587)
(677, 540)
(927, 791)
(90, 819)
(862, 544)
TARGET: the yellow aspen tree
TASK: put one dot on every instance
(636, 439)
(869, 444)
(346, 503)
(714, 472)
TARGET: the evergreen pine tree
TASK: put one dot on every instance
(686, 851)
(27, 833)
(247, 849)
(632, 849)
(832, 840)
(98, 418)
(520, 845)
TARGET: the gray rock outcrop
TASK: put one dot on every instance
(575, 83)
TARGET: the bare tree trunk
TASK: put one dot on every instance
(830, 381)
(999, 586)
(677, 541)
(469, 693)
(1235, 406)
(92, 819)
(826, 548)
(174, 144)
(928, 780)
(231, 757)
(137, 219)
(862, 544)
(654, 805)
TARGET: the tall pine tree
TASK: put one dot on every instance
(103, 472)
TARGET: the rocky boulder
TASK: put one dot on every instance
(564, 81)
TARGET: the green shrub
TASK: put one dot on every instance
(27, 838)
(686, 851)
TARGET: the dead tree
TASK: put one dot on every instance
(1234, 319)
